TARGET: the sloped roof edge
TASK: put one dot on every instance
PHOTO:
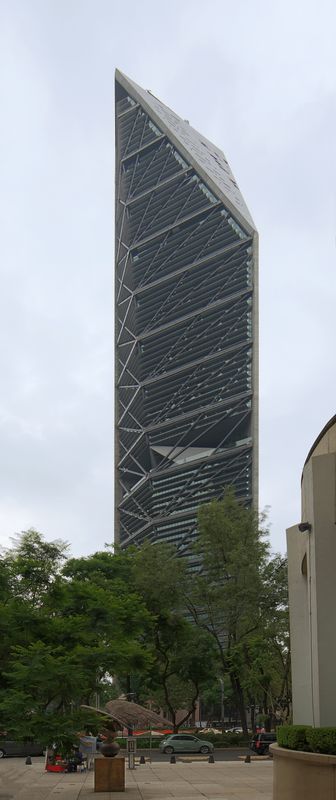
(129, 714)
(208, 160)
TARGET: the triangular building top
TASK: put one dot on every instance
(206, 159)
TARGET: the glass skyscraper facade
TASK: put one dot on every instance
(186, 371)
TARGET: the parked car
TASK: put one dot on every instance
(10, 748)
(261, 741)
(217, 731)
(185, 743)
(237, 729)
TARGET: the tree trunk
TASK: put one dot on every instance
(265, 702)
(189, 712)
(239, 692)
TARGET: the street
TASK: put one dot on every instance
(220, 754)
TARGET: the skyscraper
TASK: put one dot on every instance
(186, 255)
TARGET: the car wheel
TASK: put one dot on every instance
(2, 753)
(168, 750)
(205, 749)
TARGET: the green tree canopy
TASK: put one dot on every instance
(183, 655)
(231, 597)
(66, 627)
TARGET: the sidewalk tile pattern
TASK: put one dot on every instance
(229, 780)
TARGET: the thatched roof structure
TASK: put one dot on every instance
(131, 715)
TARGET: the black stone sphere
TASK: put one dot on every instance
(109, 749)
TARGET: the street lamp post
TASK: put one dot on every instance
(222, 699)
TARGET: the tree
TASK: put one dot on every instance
(33, 565)
(28, 573)
(276, 618)
(68, 625)
(267, 674)
(225, 598)
(66, 628)
(182, 655)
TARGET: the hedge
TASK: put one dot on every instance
(217, 739)
(143, 743)
(292, 737)
(223, 739)
(306, 738)
(322, 740)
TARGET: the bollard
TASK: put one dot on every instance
(211, 759)
(142, 760)
(172, 760)
(248, 760)
(28, 760)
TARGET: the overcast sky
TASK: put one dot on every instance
(258, 78)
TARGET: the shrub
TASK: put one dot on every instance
(142, 743)
(224, 739)
(235, 740)
(304, 737)
(293, 737)
(322, 740)
(211, 737)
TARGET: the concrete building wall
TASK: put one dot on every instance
(324, 585)
(297, 547)
(312, 588)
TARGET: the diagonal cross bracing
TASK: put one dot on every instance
(186, 325)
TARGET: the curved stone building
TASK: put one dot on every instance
(312, 587)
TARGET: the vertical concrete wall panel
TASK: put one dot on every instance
(312, 587)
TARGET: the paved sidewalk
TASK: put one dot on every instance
(229, 780)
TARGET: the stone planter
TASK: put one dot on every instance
(302, 776)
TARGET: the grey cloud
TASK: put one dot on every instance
(256, 78)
